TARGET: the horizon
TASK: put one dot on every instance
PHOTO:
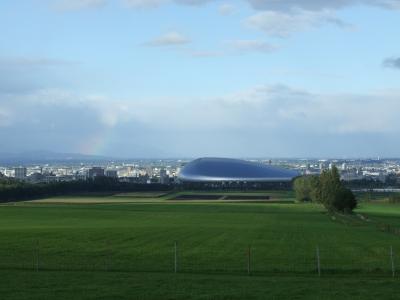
(152, 79)
(33, 155)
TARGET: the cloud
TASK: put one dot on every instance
(283, 24)
(193, 2)
(275, 5)
(144, 3)
(244, 46)
(279, 18)
(264, 107)
(5, 117)
(172, 38)
(236, 47)
(206, 53)
(264, 5)
(284, 17)
(318, 5)
(226, 9)
(25, 62)
(392, 62)
(75, 5)
(283, 106)
(26, 74)
(322, 123)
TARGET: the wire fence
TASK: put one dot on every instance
(178, 258)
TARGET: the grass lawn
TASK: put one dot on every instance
(23, 285)
(387, 213)
(121, 250)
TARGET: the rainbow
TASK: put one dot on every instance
(96, 144)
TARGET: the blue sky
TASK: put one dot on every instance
(164, 78)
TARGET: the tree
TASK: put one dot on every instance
(345, 201)
(326, 189)
(332, 194)
(305, 187)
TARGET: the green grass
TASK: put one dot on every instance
(25, 285)
(149, 197)
(142, 194)
(386, 213)
(272, 194)
(114, 199)
(126, 250)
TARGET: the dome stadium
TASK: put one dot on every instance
(213, 170)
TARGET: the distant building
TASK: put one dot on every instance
(164, 178)
(20, 173)
(36, 177)
(51, 178)
(95, 172)
(112, 173)
(80, 176)
(219, 172)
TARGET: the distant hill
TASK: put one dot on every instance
(32, 157)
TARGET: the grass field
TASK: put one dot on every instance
(188, 196)
(95, 248)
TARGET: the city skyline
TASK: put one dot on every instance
(193, 78)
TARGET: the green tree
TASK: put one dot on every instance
(326, 189)
(332, 194)
(305, 188)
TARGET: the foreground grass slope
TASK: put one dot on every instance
(25, 285)
(126, 250)
(211, 238)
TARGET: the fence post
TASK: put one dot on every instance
(392, 261)
(105, 256)
(318, 262)
(37, 256)
(176, 257)
(248, 260)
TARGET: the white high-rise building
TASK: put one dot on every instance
(164, 178)
(20, 173)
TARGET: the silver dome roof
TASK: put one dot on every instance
(227, 169)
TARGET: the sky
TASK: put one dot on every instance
(193, 78)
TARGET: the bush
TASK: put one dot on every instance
(13, 190)
(394, 198)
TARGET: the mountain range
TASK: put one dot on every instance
(32, 157)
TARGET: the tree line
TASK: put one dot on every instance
(326, 189)
(14, 190)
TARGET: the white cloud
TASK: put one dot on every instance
(283, 24)
(236, 47)
(73, 5)
(206, 53)
(282, 106)
(59, 118)
(5, 117)
(25, 62)
(172, 38)
(317, 5)
(262, 107)
(144, 3)
(392, 62)
(226, 9)
(244, 46)
(193, 2)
